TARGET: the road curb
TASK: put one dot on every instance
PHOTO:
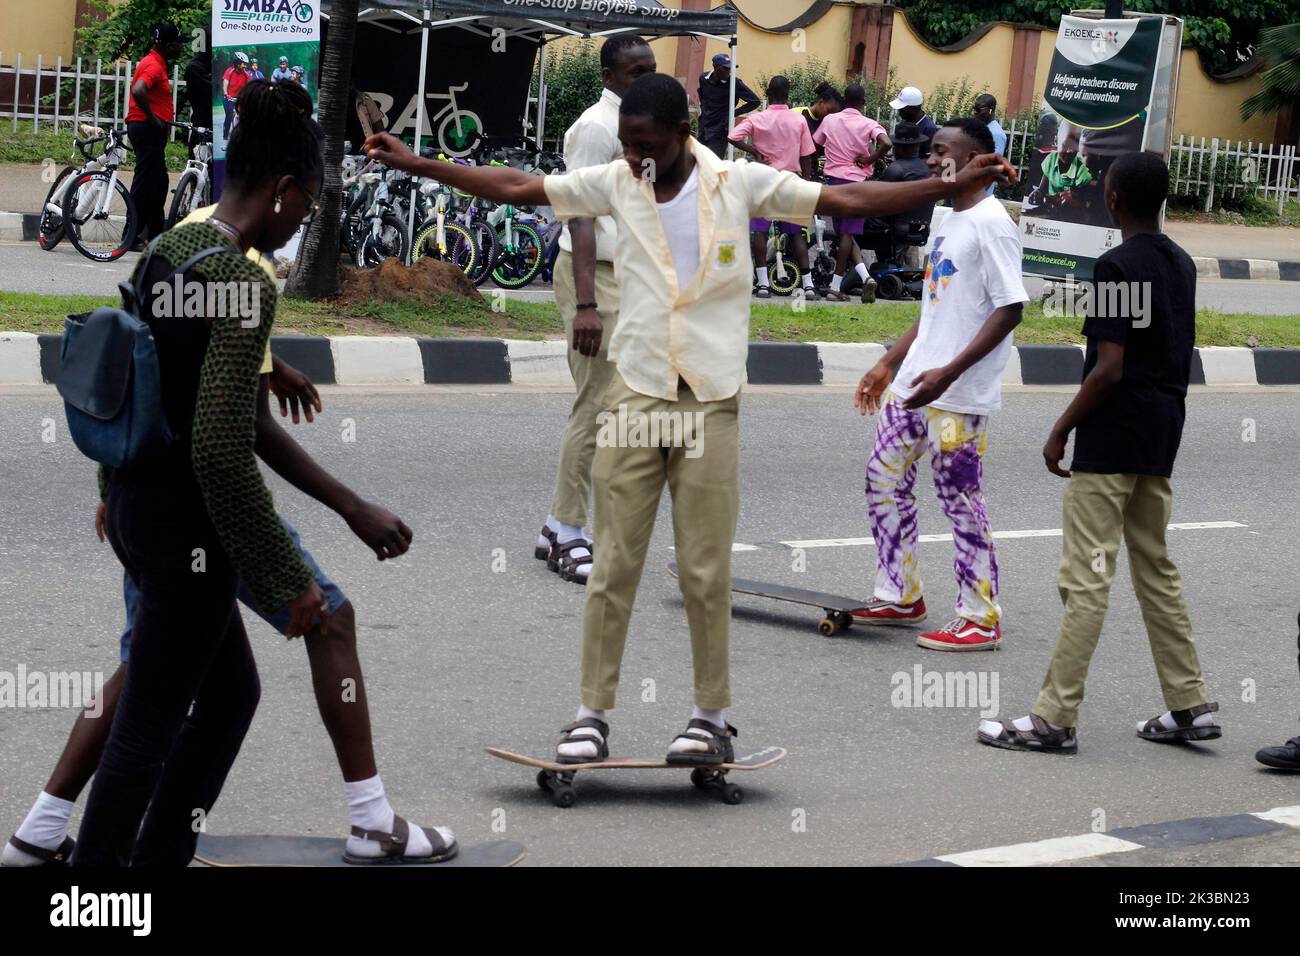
(1176, 833)
(1209, 268)
(403, 360)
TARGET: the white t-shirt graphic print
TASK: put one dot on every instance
(973, 269)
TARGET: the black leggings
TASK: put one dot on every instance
(188, 647)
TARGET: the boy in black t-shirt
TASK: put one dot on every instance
(1127, 420)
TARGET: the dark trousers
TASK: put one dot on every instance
(719, 146)
(149, 185)
(188, 650)
(228, 109)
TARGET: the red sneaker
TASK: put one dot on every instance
(887, 612)
(962, 635)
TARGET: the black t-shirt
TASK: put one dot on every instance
(1139, 426)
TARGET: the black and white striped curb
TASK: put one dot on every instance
(1209, 268)
(1178, 833)
(31, 359)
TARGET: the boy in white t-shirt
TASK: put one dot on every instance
(935, 389)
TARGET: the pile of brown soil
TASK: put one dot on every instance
(392, 281)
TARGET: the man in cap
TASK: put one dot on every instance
(908, 106)
(232, 81)
(146, 126)
(715, 99)
(985, 110)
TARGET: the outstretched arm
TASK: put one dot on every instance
(885, 199)
(497, 183)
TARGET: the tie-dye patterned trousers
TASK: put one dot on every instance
(955, 442)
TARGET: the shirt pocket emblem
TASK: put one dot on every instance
(726, 254)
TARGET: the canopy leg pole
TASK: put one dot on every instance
(419, 129)
(541, 94)
(731, 106)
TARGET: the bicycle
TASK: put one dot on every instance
(194, 189)
(521, 249)
(93, 184)
(444, 239)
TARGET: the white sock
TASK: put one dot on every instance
(760, 273)
(1168, 723)
(369, 809)
(684, 745)
(571, 532)
(993, 727)
(807, 280)
(45, 826)
(552, 526)
(861, 270)
(584, 749)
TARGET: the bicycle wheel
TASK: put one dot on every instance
(459, 249)
(487, 248)
(100, 226)
(183, 198)
(390, 242)
(519, 266)
(783, 285)
(52, 222)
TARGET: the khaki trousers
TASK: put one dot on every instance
(1097, 511)
(629, 475)
(591, 375)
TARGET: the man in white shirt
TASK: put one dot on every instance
(586, 295)
(682, 258)
(935, 389)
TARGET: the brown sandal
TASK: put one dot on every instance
(546, 553)
(717, 739)
(568, 564)
(602, 744)
(394, 846)
(1184, 729)
(1039, 737)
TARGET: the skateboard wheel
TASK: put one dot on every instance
(697, 778)
(544, 779)
(845, 620)
(564, 797)
(732, 794)
(827, 627)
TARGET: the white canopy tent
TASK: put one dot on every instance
(553, 18)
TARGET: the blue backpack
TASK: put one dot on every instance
(109, 378)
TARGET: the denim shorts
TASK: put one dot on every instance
(334, 596)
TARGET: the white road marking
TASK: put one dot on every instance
(1026, 533)
(1056, 850)
(1289, 816)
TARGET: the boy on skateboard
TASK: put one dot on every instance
(935, 389)
(1127, 420)
(680, 348)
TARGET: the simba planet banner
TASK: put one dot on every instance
(1109, 91)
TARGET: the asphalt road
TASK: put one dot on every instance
(25, 268)
(460, 656)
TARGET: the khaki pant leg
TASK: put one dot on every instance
(1093, 522)
(1160, 593)
(591, 376)
(705, 486)
(628, 484)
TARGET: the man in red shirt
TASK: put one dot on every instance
(146, 125)
(232, 81)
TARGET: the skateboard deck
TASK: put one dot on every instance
(246, 850)
(557, 778)
(838, 610)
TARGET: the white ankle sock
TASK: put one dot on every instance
(861, 270)
(807, 280)
(583, 749)
(760, 273)
(369, 809)
(993, 727)
(45, 826)
(835, 283)
(685, 745)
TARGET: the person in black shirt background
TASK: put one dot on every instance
(715, 99)
(198, 87)
(1127, 420)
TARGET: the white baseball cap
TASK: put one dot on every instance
(907, 96)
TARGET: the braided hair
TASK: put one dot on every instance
(276, 135)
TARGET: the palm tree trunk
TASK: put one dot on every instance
(315, 273)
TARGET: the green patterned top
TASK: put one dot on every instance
(224, 432)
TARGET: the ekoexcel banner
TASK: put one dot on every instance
(1108, 92)
(260, 40)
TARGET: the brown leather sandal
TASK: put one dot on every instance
(57, 857)
(602, 745)
(1184, 729)
(394, 846)
(546, 553)
(1039, 737)
(716, 739)
(568, 563)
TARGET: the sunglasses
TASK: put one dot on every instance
(313, 202)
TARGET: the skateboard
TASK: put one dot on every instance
(837, 608)
(557, 778)
(293, 851)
